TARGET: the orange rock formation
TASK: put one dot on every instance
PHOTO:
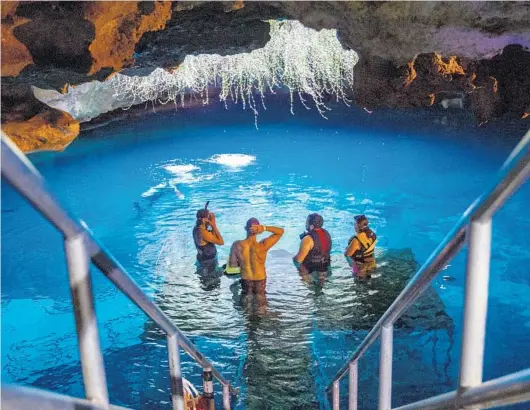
(119, 25)
(15, 55)
(51, 130)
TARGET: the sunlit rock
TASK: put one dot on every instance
(49, 130)
(118, 26)
(15, 55)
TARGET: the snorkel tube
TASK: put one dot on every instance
(208, 227)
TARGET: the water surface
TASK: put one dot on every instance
(138, 183)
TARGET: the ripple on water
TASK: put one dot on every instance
(282, 352)
(278, 360)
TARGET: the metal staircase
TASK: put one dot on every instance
(474, 227)
(81, 248)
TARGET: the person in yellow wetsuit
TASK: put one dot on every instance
(250, 256)
(361, 247)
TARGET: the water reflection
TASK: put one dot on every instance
(283, 364)
(209, 273)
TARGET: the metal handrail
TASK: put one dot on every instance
(510, 389)
(513, 173)
(18, 398)
(21, 174)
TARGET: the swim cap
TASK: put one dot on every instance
(202, 213)
(316, 220)
(251, 222)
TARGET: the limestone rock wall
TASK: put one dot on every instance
(118, 28)
(489, 87)
(398, 31)
(15, 55)
(471, 55)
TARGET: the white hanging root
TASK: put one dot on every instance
(303, 60)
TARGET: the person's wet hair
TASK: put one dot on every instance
(361, 221)
(316, 220)
(251, 222)
(202, 213)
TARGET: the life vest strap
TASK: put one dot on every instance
(367, 247)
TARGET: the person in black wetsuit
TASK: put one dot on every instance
(205, 236)
(315, 248)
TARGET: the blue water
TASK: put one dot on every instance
(411, 173)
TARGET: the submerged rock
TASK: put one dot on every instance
(287, 340)
(362, 303)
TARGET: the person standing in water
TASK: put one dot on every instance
(315, 248)
(205, 236)
(361, 247)
(250, 256)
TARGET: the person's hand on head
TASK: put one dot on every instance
(257, 229)
(211, 218)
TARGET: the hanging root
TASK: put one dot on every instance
(300, 59)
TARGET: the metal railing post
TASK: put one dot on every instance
(177, 388)
(336, 395)
(475, 304)
(80, 245)
(226, 397)
(512, 175)
(385, 368)
(353, 386)
(207, 386)
(93, 369)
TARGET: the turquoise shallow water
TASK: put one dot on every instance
(412, 174)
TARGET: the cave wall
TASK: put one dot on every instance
(471, 55)
(418, 54)
(398, 31)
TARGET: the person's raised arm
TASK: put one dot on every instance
(214, 236)
(270, 241)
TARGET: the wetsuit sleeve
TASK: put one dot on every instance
(305, 247)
